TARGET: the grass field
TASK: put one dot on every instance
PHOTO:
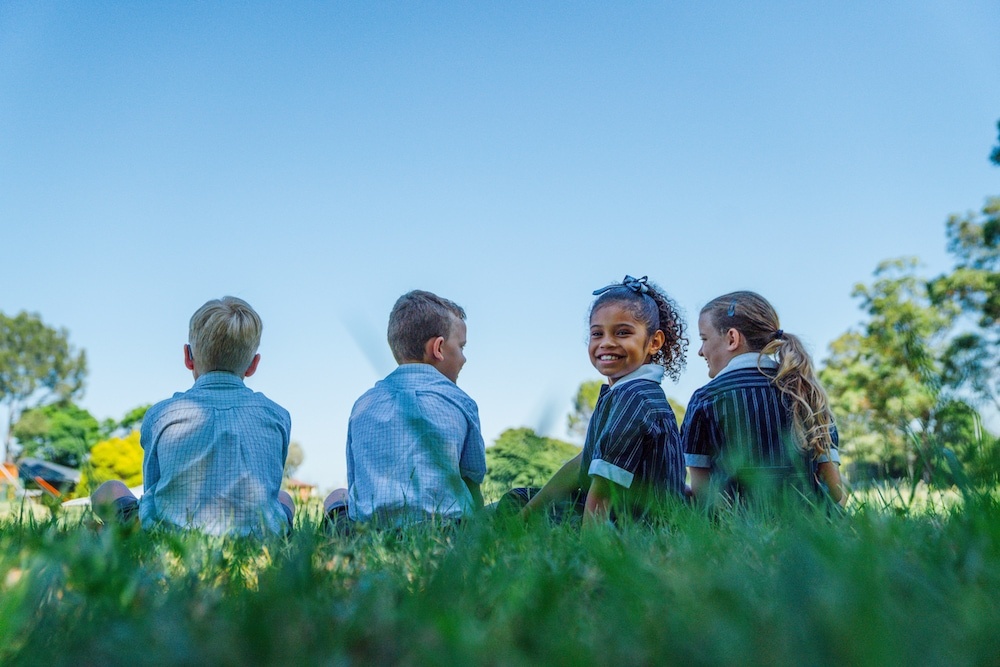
(879, 586)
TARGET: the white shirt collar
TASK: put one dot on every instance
(749, 360)
(652, 372)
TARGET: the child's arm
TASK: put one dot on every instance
(477, 494)
(829, 474)
(597, 510)
(564, 482)
(701, 479)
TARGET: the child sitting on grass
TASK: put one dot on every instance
(214, 455)
(762, 425)
(415, 449)
(631, 459)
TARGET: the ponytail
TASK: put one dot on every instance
(797, 382)
(754, 317)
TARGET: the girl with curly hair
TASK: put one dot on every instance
(763, 423)
(631, 457)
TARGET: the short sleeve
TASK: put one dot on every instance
(834, 455)
(472, 464)
(696, 435)
(618, 451)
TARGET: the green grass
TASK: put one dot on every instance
(900, 587)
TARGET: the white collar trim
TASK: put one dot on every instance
(652, 372)
(749, 360)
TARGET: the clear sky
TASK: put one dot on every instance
(320, 159)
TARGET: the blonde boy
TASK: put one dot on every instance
(213, 455)
(415, 448)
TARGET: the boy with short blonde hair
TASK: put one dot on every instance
(213, 455)
(415, 448)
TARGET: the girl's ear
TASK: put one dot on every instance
(734, 339)
(656, 342)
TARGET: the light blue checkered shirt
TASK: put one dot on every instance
(410, 441)
(213, 459)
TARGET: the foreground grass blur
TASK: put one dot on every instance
(872, 587)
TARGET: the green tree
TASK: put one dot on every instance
(521, 457)
(62, 433)
(113, 458)
(885, 381)
(974, 286)
(37, 366)
(132, 419)
(894, 385)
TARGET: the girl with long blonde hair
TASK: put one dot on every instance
(763, 422)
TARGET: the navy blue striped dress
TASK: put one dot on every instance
(739, 427)
(633, 441)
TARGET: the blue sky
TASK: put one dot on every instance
(320, 159)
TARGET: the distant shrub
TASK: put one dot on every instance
(521, 457)
(114, 458)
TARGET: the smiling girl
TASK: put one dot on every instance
(762, 424)
(631, 456)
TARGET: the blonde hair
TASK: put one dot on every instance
(755, 318)
(224, 335)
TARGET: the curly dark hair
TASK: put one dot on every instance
(657, 311)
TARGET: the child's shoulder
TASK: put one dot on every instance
(727, 383)
(737, 379)
(646, 389)
(195, 397)
(645, 395)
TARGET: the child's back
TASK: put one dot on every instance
(213, 456)
(761, 428)
(411, 440)
(414, 445)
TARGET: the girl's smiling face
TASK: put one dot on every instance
(619, 343)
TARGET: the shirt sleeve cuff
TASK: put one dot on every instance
(475, 476)
(698, 461)
(611, 472)
(834, 457)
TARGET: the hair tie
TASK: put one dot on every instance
(637, 285)
(778, 335)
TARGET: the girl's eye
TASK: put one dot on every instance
(623, 332)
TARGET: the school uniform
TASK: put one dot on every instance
(633, 441)
(411, 441)
(213, 458)
(739, 427)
